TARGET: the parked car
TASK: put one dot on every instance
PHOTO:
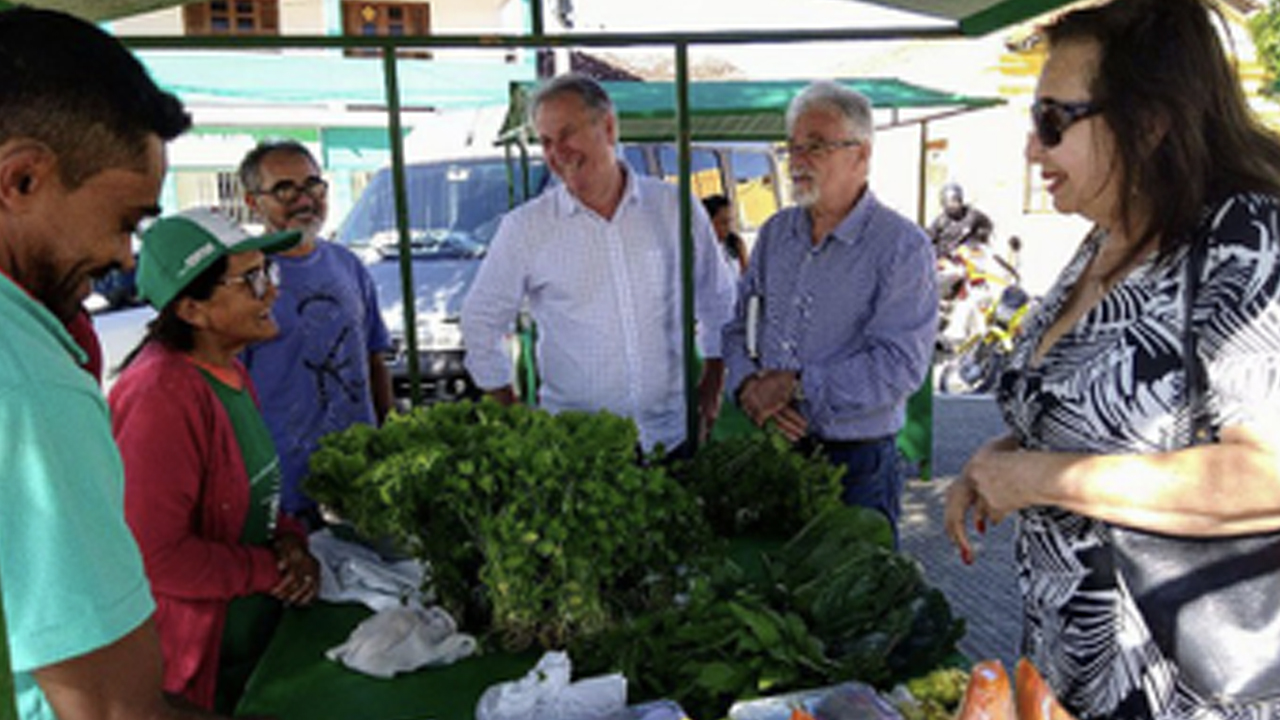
(119, 332)
(454, 210)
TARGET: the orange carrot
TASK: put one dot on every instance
(988, 696)
(1036, 700)
(799, 713)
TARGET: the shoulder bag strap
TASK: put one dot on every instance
(1194, 371)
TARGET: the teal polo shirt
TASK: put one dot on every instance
(70, 570)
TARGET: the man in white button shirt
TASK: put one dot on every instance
(597, 259)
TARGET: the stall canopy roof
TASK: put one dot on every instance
(977, 17)
(284, 78)
(755, 110)
(970, 17)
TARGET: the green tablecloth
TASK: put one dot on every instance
(295, 681)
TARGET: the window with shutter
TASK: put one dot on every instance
(386, 19)
(232, 17)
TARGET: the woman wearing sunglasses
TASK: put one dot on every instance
(1140, 126)
(202, 478)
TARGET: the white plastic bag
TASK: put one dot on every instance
(403, 639)
(546, 693)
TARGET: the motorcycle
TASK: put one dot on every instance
(976, 363)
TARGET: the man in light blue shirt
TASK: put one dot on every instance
(597, 259)
(835, 325)
(82, 160)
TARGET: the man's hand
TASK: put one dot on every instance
(505, 395)
(380, 387)
(766, 394)
(791, 423)
(710, 394)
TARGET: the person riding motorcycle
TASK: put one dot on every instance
(958, 224)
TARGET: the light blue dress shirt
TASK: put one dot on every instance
(855, 315)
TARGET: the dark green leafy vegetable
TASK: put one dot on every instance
(539, 527)
(757, 484)
(833, 604)
(552, 530)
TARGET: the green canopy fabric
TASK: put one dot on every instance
(330, 77)
(745, 110)
(977, 17)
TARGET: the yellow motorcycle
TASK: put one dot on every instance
(976, 364)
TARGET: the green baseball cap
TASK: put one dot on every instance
(176, 249)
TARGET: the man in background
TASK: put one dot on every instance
(597, 260)
(325, 370)
(959, 224)
(835, 325)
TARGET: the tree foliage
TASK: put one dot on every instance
(1264, 27)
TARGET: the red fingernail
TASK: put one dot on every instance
(965, 556)
(982, 526)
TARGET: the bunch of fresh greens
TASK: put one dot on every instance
(758, 484)
(538, 527)
(833, 604)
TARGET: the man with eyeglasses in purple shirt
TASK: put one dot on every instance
(325, 370)
(834, 325)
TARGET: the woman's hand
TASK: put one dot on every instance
(299, 572)
(979, 489)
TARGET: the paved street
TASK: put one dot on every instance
(985, 593)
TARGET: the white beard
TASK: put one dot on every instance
(805, 197)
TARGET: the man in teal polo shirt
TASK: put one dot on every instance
(82, 132)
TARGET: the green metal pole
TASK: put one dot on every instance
(684, 128)
(408, 292)
(8, 701)
(535, 18)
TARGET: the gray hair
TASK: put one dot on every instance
(250, 170)
(843, 100)
(585, 88)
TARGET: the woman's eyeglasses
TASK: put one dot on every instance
(1052, 118)
(259, 280)
(286, 191)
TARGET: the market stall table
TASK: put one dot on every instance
(295, 681)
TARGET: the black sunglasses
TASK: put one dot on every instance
(1052, 118)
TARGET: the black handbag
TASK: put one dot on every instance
(1212, 605)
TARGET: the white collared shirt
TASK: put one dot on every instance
(605, 295)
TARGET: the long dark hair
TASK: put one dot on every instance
(172, 331)
(1162, 67)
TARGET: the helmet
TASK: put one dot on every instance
(952, 192)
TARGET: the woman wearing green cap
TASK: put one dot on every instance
(202, 478)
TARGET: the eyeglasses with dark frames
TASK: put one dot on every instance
(259, 279)
(1052, 118)
(286, 191)
(817, 149)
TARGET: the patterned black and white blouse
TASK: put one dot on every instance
(1113, 384)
